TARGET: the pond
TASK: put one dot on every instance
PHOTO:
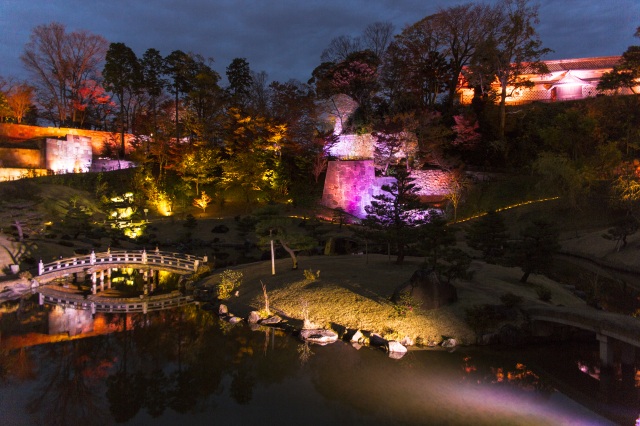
(186, 366)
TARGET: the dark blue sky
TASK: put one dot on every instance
(286, 37)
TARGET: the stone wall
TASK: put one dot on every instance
(7, 173)
(431, 183)
(21, 158)
(351, 185)
(98, 139)
(71, 155)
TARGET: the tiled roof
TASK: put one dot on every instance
(602, 62)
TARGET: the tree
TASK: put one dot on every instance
(511, 48)
(59, 63)
(396, 213)
(458, 184)
(153, 82)
(488, 234)
(534, 251)
(20, 100)
(435, 237)
(202, 202)
(179, 66)
(460, 28)
(622, 228)
(123, 76)
(340, 48)
(415, 71)
(286, 231)
(240, 81)
(198, 165)
(626, 74)
(377, 36)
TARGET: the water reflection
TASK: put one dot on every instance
(180, 365)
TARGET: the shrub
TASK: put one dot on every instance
(405, 305)
(229, 282)
(220, 229)
(511, 300)
(482, 318)
(310, 276)
(190, 222)
(543, 293)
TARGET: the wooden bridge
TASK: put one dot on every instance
(94, 303)
(94, 262)
(98, 263)
(611, 329)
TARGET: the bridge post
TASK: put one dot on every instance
(606, 351)
(109, 278)
(40, 267)
(92, 258)
(627, 361)
(40, 299)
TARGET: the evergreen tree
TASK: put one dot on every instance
(489, 235)
(396, 213)
(534, 252)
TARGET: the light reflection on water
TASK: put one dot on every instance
(184, 365)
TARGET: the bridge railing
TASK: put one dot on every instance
(182, 261)
(116, 305)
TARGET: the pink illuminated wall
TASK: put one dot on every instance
(351, 185)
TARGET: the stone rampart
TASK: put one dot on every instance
(351, 185)
(98, 138)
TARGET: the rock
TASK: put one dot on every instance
(235, 320)
(377, 340)
(357, 337)
(449, 343)
(511, 335)
(223, 310)
(319, 336)
(254, 317)
(427, 290)
(356, 345)
(407, 341)
(396, 347)
(275, 319)
(396, 355)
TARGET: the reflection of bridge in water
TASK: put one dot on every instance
(100, 265)
(619, 335)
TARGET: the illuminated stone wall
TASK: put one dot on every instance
(21, 158)
(71, 155)
(98, 139)
(7, 173)
(351, 185)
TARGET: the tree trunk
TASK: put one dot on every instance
(292, 253)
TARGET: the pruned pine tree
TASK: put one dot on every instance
(396, 213)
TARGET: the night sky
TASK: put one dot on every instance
(285, 38)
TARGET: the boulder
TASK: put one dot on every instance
(427, 290)
(319, 336)
(396, 347)
(275, 319)
(407, 341)
(377, 340)
(223, 310)
(357, 337)
(235, 320)
(254, 317)
(449, 343)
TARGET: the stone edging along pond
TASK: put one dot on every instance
(323, 336)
